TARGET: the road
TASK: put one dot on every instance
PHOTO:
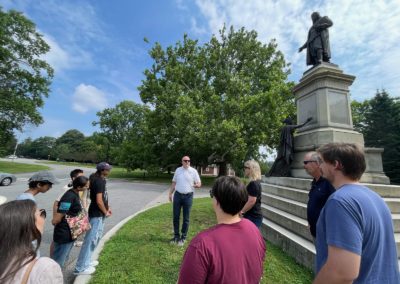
(125, 199)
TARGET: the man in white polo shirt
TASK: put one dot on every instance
(185, 180)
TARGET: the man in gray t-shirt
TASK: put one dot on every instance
(355, 237)
(185, 180)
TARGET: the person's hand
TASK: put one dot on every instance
(301, 49)
(109, 213)
(170, 197)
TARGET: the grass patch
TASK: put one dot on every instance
(82, 165)
(140, 175)
(16, 168)
(140, 252)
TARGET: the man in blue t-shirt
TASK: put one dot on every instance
(355, 239)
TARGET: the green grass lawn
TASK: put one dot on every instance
(140, 252)
(140, 175)
(16, 168)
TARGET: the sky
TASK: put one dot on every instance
(99, 55)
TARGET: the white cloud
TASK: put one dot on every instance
(88, 97)
(364, 37)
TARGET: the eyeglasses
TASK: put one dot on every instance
(309, 161)
(246, 167)
(186, 161)
(211, 193)
(43, 213)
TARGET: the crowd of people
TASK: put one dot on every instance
(76, 215)
(350, 224)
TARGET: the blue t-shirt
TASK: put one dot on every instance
(25, 196)
(357, 219)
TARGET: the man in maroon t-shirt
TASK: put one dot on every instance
(231, 252)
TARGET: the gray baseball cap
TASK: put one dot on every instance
(103, 166)
(44, 176)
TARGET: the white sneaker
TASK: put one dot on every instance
(87, 271)
(94, 263)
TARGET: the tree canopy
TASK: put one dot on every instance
(223, 99)
(24, 76)
(378, 119)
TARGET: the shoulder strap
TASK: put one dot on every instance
(28, 271)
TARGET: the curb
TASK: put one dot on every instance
(162, 199)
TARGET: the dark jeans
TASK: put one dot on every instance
(185, 202)
(256, 220)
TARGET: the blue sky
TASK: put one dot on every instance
(98, 52)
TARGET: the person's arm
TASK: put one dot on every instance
(61, 209)
(100, 204)
(301, 125)
(171, 191)
(303, 47)
(342, 267)
(57, 217)
(249, 204)
(197, 183)
(55, 206)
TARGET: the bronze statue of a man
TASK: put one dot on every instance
(281, 166)
(317, 44)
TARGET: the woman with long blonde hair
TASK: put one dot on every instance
(252, 208)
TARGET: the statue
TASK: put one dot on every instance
(317, 44)
(281, 166)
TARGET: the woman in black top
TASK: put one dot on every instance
(252, 208)
(70, 204)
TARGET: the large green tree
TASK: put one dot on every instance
(218, 102)
(124, 126)
(24, 76)
(379, 121)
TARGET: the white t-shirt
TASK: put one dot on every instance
(185, 179)
(44, 271)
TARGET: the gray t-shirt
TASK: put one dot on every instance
(44, 271)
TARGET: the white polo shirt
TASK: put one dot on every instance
(185, 179)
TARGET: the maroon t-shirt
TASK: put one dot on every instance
(225, 254)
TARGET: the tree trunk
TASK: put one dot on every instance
(223, 169)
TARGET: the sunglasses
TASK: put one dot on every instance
(186, 161)
(211, 193)
(310, 161)
(43, 213)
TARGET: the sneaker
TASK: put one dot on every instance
(94, 263)
(87, 271)
(181, 242)
(174, 241)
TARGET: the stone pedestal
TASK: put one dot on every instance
(323, 94)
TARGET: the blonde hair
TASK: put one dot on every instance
(254, 168)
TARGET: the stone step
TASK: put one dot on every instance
(299, 195)
(396, 222)
(288, 221)
(384, 190)
(302, 250)
(293, 207)
(394, 204)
